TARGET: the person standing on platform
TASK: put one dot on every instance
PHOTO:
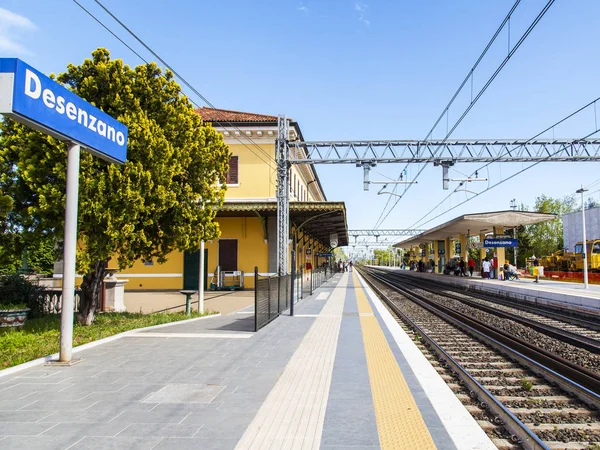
(536, 265)
(471, 266)
(461, 266)
(485, 268)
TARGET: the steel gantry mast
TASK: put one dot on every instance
(282, 152)
(443, 153)
(377, 233)
(455, 151)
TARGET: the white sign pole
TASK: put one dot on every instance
(201, 283)
(70, 246)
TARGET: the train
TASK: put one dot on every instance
(573, 261)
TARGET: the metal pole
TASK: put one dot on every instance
(69, 254)
(255, 298)
(201, 283)
(515, 248)
(585, 263)
(293, 281)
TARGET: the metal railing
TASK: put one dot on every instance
(274, 294)
(271, 297)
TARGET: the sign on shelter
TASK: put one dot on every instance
(36, 100)
(503, 242)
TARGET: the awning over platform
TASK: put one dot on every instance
(319, 219)
(475, 224)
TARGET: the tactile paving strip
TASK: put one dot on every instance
(399, 421)
(185, 393)
(292, 415)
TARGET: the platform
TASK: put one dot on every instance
(340, 374)
(557, 293)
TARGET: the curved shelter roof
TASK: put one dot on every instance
(318, 219)
(474, 224)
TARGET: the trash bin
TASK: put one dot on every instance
(540, 271)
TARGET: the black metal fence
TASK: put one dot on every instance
(273, 294)
(271, 297)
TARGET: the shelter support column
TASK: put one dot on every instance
(464, 251)
(500, 250)
(436, 256)
(447, 250)
(482, 252)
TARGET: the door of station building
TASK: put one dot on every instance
(191, 270)
(228, 255)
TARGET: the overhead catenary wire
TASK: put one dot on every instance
(468, 77)
(474, 101)
(270, 159)
(569, 116)
(504, 180)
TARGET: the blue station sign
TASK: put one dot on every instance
(32, 98)
(500, 242)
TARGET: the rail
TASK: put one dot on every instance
(549, 366)
(575, 339)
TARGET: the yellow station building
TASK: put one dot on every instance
(248, 218)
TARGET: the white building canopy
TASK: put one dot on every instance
(475, 224)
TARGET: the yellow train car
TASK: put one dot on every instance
(593, 255)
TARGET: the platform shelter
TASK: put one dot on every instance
(436, 244)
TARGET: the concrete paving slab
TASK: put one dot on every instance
(116, 443)
(38, 442)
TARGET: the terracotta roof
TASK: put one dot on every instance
(224, 115)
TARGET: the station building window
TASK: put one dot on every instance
(228, 254)
(232, 173)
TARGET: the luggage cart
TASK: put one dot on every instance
(227, 280)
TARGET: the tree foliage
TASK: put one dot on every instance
(547, 237)
(162, 199)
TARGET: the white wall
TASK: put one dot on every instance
(573, 231)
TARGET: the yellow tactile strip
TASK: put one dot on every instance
(399, 421)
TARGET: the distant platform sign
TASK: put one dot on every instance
(32, 98)
(327, 255)
(501, 242)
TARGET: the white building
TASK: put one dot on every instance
(573, 230)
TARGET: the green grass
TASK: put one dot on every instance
(12, 306)
(40, 337)
(526, 384)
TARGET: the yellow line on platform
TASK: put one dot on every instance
(399, 421)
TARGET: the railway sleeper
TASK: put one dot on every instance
(489, 376)
(588, 427)
(568, 445)
(538, 401)
(504, 373)
(584, 412)
(505, 444)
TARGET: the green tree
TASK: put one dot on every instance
(385, 256)
(164, 198)
(547, 237)
(591, 203)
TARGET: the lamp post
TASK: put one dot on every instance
(585, 265)
(513, 206)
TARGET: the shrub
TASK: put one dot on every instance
(17, 291)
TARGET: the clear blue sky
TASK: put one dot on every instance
(357, 70)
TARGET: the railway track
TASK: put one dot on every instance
(573, 322)
(573, 343)
(521, 395)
